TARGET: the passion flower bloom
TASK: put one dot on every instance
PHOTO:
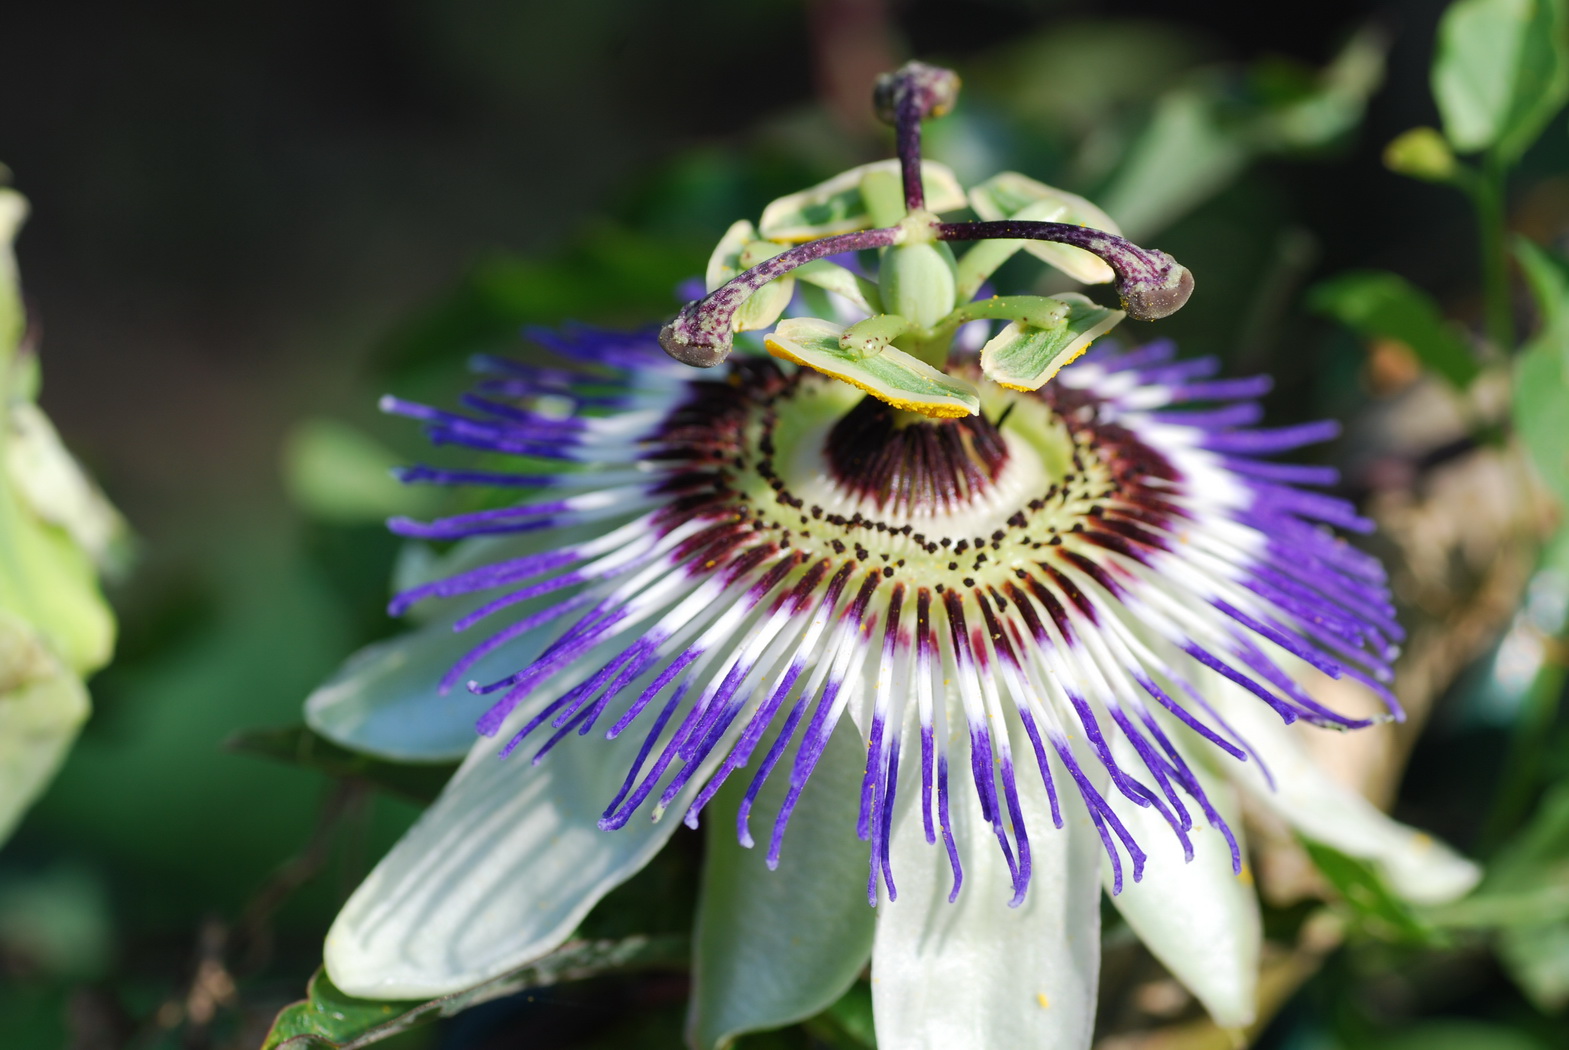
(997, 634)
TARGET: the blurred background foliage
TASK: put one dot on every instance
(249, 222)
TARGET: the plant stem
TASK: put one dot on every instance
(1490, 207)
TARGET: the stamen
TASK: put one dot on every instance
(703, 332)
(1150, 283)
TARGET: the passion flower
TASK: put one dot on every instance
(999, 629)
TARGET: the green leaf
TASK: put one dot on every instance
(836, 205)
(1382, 305)
(847, 1024)
(1541, 385)
(328, 1019)
(1185, 154)
(1204, 132)
(1528, 888)
(1501, 72)
(893, 376)
(298, 746)
(1024, 356)
(1537, 957)
(1376, 908)
(774, 947)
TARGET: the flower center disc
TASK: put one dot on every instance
(833, 475)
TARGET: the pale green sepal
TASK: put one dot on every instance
(860, 292)
(497, 872)
(13, 212)
(383, 700)
(55, 487)
(49, 581)
(1199, 917)
(42, 707)
(1010, 195)
(892, 376)
(774, 947)
(739, 250)
(1414, 864)
(919, 281)
(1024, 357)
(977, 974)
(836, 206)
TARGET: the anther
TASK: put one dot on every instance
(1150, 283)
(702, 333)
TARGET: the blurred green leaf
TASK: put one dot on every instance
(1537, 957)
(1203, 133)
(1541, 397)
(1501, 72)
(609, 275)
(337, 473)
(1459, 1034)
(1375, 907)
(1382, 305)
(297, 745)
(1526, 897)
(1185, 155)
(848, 1024)
(1535, 867)
(56, 921)
(328, 1019)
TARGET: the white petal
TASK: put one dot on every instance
(383, 699)
(976, 974)
(773, 947)
(500, 870)
(1198, 918)
(1416, 866)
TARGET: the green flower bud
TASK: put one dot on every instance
(1421, 153)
